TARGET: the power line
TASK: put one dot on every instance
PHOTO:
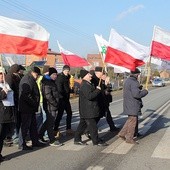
(64, 27)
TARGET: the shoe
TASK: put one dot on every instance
(132, 142)
(101, 144)
(115, 129)
(80, 143)
(122, 137)
(8, 142)
(57, 134)
(39, 144)
(27, 148)
(70, 132)
(138, 135)
(56, 143)
(88, 135)
(2, 158)
(16, 141)
(42, 140)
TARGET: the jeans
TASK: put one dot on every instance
(40, 117)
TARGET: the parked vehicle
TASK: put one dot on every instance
(158, 82)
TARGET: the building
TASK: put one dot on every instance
(164, 74)
(95, 60)
(53, 59)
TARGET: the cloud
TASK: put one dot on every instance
(131, 10)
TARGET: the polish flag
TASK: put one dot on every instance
(71, 59)
(161, 44)
(22, 37)
(125, 52)
(102, 46)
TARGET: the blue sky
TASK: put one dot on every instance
(73, 23)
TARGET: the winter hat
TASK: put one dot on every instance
(99, 69)
(83, 73)
(52, 70)
(21, 67)
(14, 68)
(66, 67)
(45, 69)
(36, 70)
(137, 71)
(91, 72)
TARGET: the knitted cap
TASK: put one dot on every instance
(52, 70)
(83, 73)
(99, 69)
(66, 67)
(137, 71)
(36, 70)
(21, 67)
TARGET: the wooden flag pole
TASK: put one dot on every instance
(149, 63)
(3, 75)
(149, 73)
(104, 66)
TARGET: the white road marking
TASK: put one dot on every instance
(112, 146)
(118, 146)
(163, 148)
(123, 148)
(95, 168)
(71, 146)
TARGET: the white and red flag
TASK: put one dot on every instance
(71, 59)
(160, 47)
(125, 52)
(22, 37)
(102, 46)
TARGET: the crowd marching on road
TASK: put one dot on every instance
(32, 106)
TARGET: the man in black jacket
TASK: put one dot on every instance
(88, 109)
(103, 98)
(63, 86)
(28, 104)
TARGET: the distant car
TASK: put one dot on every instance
(158, 82)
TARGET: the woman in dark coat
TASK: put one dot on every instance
(50, 105)
(132, 104)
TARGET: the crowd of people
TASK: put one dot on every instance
(32, 106)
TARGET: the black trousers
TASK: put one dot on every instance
(92, 128)
(106, 113)
(18, 121)
(28, 124)
(48, 125)
(63, 105)
(3, 133)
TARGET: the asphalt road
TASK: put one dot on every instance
(152, 153)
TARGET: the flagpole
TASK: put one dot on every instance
(3, 75)
(104, 66)
(149, 64)
(149, 73)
